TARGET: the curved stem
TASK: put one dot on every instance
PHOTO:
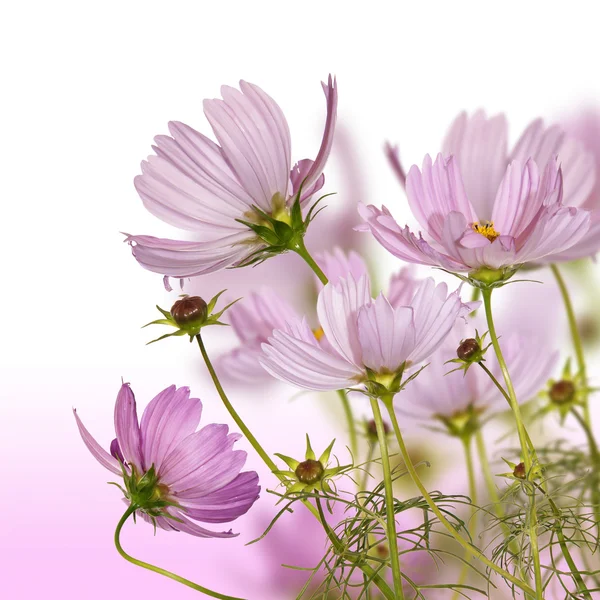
(389, 500)
(473, 550)
(367, 569)
(130, 510)
(487, 473)
(300, 249)
(351, 423)
(576, 337)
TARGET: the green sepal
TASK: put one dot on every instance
(310, 454)
(292, 463)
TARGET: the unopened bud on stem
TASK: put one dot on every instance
(562, 392)
(468, 349)
(310, 471)
(190, 310)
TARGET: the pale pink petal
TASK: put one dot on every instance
(187, 526)
(393, 155)
(435, 191)
(387, 335)
(331, 97)
(243, 365)
(169, 418)
(589, 245)
(254, 139)
(402, 243)
(479, 144)
(543, 143)
(127, 427)
(337, 309)
(337, 264)
(102, 456)
(187, 259)
(298, 176)
(402, 287)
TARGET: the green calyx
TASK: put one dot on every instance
(486, 278)
(463, 424)
(385, 384)
(312, 473)
(189, 315)
(280, 230)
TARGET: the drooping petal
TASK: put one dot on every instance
(435, 191)
(543, 143)
(331, 97)
(588, 245)
(435, 314)
(402, 287)
(479, 144)
(101, 455)
(298, 175)
(127, 427)
(296, 358)
(337, 264)
(255, 140)
(337, 309)
(393, 155)
(227, 503)
(387, 335)
(169, 418)
(402, 243)
(181, 259)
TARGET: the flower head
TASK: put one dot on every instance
(172, 473)
(367, 340)
(241, 195)
(482, 209)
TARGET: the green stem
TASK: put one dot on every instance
(351, 423)
(130, 510)
(473, 550)
(300, 249)
(466, 441)
(527, 449)
(576, 337)
(389, 500)
(475, 295)
(367, 569)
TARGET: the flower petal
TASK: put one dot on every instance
(127, 427)
(402, 287)
(387, 335)
(187, 259)
(435, 191)
(101, 455)
(479, 144)
(169, 418)
(337, 264)
(543, 143)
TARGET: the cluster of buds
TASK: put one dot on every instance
(189, 315)
(312, 473)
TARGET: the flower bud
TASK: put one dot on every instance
(519, 471)
(468, 349)
(562, 392)
(372, 429)
(189, 311)
(310, 471)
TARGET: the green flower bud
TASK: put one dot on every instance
(562, 392)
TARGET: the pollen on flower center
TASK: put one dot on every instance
(486, 229)
(318, 333)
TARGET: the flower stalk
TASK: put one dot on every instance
(144, 565)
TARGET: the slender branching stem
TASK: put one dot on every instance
(367, 569)
(473, 550)
(130, 510)
(392, 536)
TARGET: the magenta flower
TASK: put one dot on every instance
(483, 209)
(197, 185)
(367, 340)
(173, 473)
(447, 395)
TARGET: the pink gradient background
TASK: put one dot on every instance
(89, 85)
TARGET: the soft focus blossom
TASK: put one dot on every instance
(439, 393)
(181, 475)
(338, 264)
(362, 335)
(197, 185)
(482, 207)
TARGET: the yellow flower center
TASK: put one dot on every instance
(486, 229)
(318, 333)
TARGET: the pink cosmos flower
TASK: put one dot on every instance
(365, 337)
(441, 394)
(197, 185)
(175, 474)
(483, 208)
(255, 317)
